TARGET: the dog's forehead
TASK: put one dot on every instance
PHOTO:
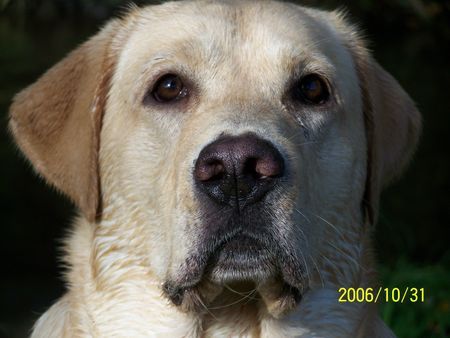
(234, 32)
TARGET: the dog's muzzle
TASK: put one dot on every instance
(235, 173)
(238, 180)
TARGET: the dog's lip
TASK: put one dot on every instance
(241, 244)
(241, 257)
(237, 255)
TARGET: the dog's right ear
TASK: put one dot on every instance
(393, 122)
(57, 120)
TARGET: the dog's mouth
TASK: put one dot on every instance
(240, 258)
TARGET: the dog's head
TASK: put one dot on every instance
(227, 142)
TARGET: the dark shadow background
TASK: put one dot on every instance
(410, 38)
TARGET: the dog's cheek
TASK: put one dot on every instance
(337, 185)
(132, 163)
(182, 211)
(328, 183)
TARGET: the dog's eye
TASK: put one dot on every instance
(311, 89)
(169, 88)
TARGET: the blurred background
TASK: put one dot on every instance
(410, 38)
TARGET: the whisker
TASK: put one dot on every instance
(206, 308)
(306, 266)
(233, 303)
(331, 225)
(304, 216)
(297, 133)
(237, 292)
(349, 257)
(318, 270)
(329, 261)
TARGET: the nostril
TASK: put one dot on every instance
(209, 171)
(269, 167)
(263, 167)
(249, 168)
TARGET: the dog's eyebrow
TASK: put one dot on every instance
(182, 51)
(161, 56)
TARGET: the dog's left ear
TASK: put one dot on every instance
(393, 123)
(56, 121)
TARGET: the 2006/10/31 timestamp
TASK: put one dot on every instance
(371, 295)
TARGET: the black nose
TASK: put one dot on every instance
(238, 170)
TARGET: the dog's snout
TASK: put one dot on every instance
(238, 169)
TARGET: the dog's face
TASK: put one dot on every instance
(239, 142)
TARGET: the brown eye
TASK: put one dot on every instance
(312, 89)
(169, 88)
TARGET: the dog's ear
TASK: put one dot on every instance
(393, 125)
(56, 121)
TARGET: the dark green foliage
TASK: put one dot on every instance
(415, 320)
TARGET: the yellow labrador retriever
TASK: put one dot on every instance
(227, 159)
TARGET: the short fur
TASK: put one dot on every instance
(127, 164)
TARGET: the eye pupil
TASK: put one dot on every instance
(168, 88)
(170, 84)
(312, 89)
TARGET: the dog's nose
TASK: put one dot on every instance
(238, 170)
